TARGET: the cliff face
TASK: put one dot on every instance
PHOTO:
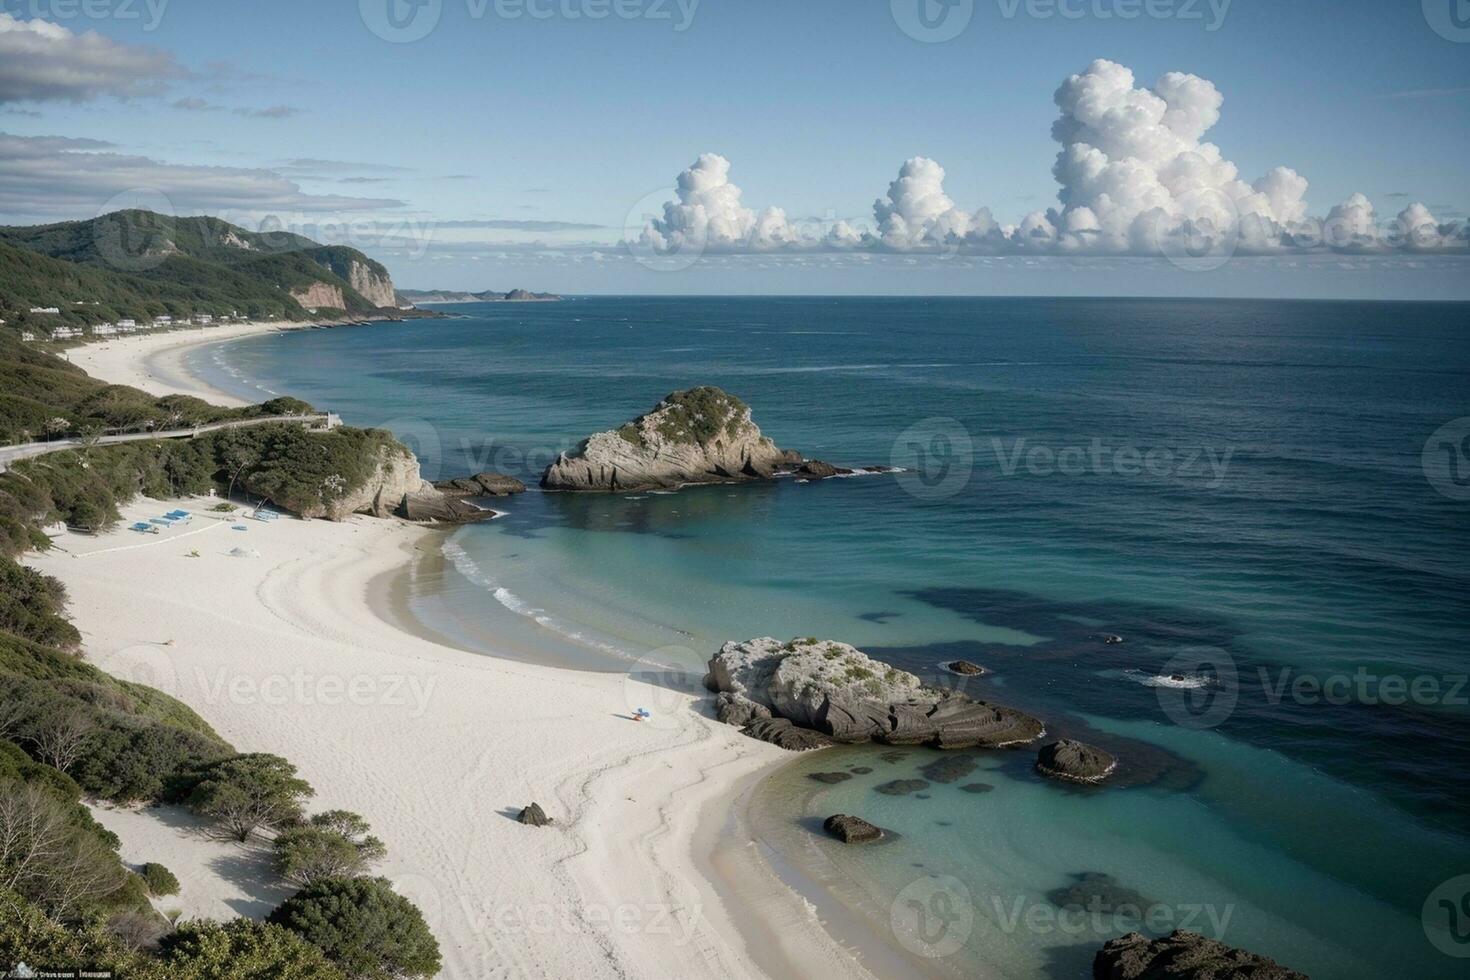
(702, 435)
(376, 289)
(319, 295)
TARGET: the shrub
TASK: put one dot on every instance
(335, 844)
(246, 792)
(242, 950)
(363, 926)
(160, 880)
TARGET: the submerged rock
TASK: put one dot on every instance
(1183, 955)
(1075, 761)
(1095, 891)
(851, 830)
(976, 788)
(534, 816)
(829, 777)
(948, 769)
(836, 689)
(703, 435)
(779, 731)
(901, 787)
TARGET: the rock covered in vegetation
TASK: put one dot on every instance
(851, 830)
(1183, 955)
(481, 485)
(703, 435)
(839, 691)
(1075, 761)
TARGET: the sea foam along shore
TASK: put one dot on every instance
(437, 747)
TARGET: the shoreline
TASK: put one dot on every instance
(621, 793)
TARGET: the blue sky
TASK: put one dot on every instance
(814, 103)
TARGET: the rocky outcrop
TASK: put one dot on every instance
(320, 295)
(1075, 761)
(481, 485)
(395, 488)
(702, 435)
(376, 288)
(534, 816)
(734, 709)
(1183, 955)
(815, 469)
(838, 691)
(964, 667)
(780, 732)
(851, 830)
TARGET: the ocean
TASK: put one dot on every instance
(1258, 497)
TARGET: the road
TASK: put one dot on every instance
(28, 450)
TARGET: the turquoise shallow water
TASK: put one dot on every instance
(1230, 486)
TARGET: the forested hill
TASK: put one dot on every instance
(140, 264)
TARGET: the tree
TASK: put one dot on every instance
(335, 844)
(238, 455)
(363, 926)
(159, 879)
(59, 738)
(47, 858)
(242, 950)
(246, 792)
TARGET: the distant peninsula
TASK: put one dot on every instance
(428, 297)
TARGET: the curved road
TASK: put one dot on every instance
(26, 450)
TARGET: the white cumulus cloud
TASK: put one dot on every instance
(41, 61)
(1136, 176)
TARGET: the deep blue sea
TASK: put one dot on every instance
(1238, 489)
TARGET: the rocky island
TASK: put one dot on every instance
(703, 435)
(808, 692)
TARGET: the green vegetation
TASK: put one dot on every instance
(140, 264)
(335, 844)
(700, 415)
(242, 950)
(160, 880)
(244, 793)
(363, 926)
(68, 729)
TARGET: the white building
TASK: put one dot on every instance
(163, 321)
(128, 324)
(65, 333)
(204, 319)
(103, 330)
(45, 309)
(27, 336)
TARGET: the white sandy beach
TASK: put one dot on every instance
(437, 747)
(154, 362)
